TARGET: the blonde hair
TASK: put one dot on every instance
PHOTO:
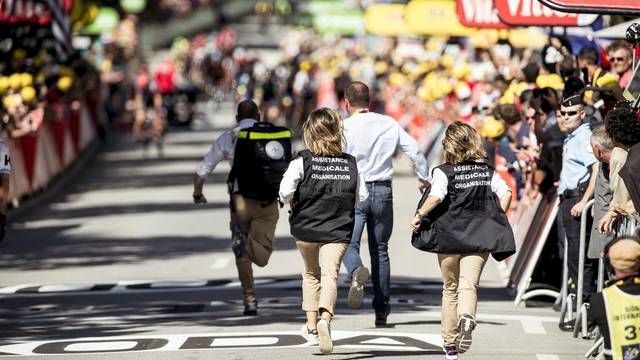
(322, 132)
(462, 143)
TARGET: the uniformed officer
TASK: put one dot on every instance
(323, 186)
(577, 184)
(5, 176)
(616, 311)
(373, 140)
(256, 220)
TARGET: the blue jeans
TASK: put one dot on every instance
(377, 213)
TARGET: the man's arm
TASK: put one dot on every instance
(206, 166)
(411, 148)
(576, 210)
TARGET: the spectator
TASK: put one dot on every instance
(620, 56)
(616, 310)
(602, 147)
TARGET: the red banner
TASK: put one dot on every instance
(622, 7)
(478, 14)
(534, 13)
(28, 11)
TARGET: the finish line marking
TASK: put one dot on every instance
(218, 341)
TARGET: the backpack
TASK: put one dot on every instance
(262, 155)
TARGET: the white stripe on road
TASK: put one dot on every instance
(547, 357)
(437, 314)
(533, 327)
(221, 263)
(63, 288)
(101, 346)
(178, 284)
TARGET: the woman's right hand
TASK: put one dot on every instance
(415, 223)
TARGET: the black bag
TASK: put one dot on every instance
(262, 156)
(425, 238)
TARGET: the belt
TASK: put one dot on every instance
(572, 193)
(386, 183)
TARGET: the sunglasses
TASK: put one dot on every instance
(614, 59)
(568, 113)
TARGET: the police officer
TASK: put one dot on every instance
(577, 184)
(373, 139)
(616, 311)
(253, 221)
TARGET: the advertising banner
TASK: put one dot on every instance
(479, 14)
(386, 20)
(24, 11)
(622, 7)
(434, 17)
(534, 13)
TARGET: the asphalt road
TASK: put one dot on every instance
(121, 264)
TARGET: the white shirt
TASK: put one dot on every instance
(373, 139)
(5, 158)
(295, 173)
(439, 183)
(222, 149)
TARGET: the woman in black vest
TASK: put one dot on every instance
(463, 221)
(322, 187)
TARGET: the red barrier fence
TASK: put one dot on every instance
(38, 157)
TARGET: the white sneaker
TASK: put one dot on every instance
(356, 292)
(310, 335)
(324, 335)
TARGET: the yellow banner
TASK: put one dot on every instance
(386, 20)
(435, 17)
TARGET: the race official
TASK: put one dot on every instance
(373, 139)
(5, 175)
(616, 311)
(577, 184)
(254, 243)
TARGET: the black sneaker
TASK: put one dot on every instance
(251, 309)
(567, 325)
(237, 239)
(466, 325)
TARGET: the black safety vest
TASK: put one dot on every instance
(469, 219)
(261, 157)
(323, 209)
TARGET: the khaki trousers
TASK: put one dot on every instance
(259, 222)
(460, 276)
(320, 275)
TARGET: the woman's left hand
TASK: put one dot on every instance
(415, 223)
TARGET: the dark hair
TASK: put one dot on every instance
(247, 109)
(531, 72)
(589, 54)
(572, 86)
(623, 125)
(568, 68)
(357, 93)
(509, 114)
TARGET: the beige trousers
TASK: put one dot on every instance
(320, 275)
(460, 276)
(259, 222)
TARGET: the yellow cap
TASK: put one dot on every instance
(28, 94)
(607, 80)
(10, 101)
(553, 81)
(64, 83)
(492, 128)
(26, 79)
(305, 66)
(15, 81)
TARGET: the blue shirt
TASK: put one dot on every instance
(576, 159)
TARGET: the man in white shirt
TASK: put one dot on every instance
(253, 222)
(5, 176)
(373, 140)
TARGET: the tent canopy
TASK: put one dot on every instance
(616, 31)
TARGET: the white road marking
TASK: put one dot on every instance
(178, 284)
(244, 341)
(63, 288)
(383, 341)
(253, 340)
(221, 263)
(101, 346)
(547, 357)
(533, 327)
